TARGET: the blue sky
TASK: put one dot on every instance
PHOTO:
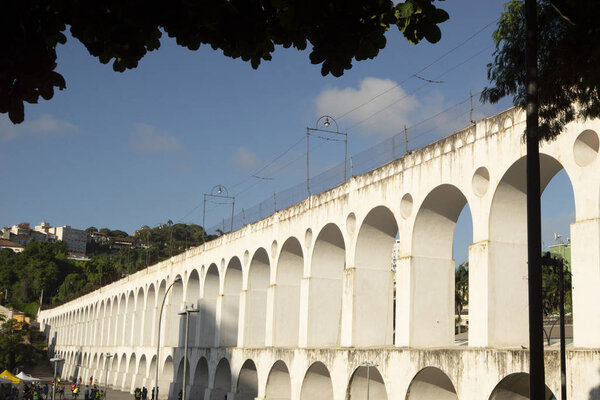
(122, 150)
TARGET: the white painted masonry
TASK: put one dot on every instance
(292, 305)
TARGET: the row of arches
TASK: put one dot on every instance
(336, 286)
(216, 382)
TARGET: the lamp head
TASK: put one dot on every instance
(327, 123)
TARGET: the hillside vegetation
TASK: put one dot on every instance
(44, 267)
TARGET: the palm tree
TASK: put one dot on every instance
(461, 289)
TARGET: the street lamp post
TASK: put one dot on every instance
(55, 360)
(186, 311)
(107, 356)
(177, 280)
(218, 192)
(368, 364)
(326, 123)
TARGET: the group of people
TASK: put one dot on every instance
(90, 392)
(142, 394)
(31, 391)
(8, 392)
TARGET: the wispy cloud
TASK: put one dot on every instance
(45, 126)
(244, 158)
(147, 139)
(381, 116)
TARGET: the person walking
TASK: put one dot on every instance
(86, 393)
(144, 393)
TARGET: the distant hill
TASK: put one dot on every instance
(45, 266)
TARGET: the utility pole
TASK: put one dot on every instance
(563, 358)
(405, 140)
(537, 386)
(471, 109)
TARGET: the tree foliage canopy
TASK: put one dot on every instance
(15, 349)
(461, 288)
(122, 32)
(551, 267)
(568, 61)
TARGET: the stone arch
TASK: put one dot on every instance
(431, 383)
(105, 315)
(192, 289)
(366, 382)
(516, 387)
(119, 337)
(373, 300)
(222, 382)
(114, 319)
(279, 386)
(128, 322)
(139, 317)
(85, 326)
(71, 332)
(149, 316)
(152, 374)
(430, 307)
(200, 383)
(178, 382)
(228, 332)
(161, 292)
(129, 379)
(81, 326)
(290, 269)
(317, 383)
(173, 321)
(255, 307)
(192, 294)
(208, 306)
(85, 360)
(506, 258)
(113, 369)
(100, 370)
(93, 325)
(76, 363)
(326, 287)
(120, 371)
(94, 364)
(141, 372)
(247, 384)
(167, 376)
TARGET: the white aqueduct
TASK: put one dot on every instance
(294, 305)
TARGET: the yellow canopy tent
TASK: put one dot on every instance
(9, 376)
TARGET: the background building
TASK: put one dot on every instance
(22, 234)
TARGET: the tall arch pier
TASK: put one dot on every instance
(306, 305)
